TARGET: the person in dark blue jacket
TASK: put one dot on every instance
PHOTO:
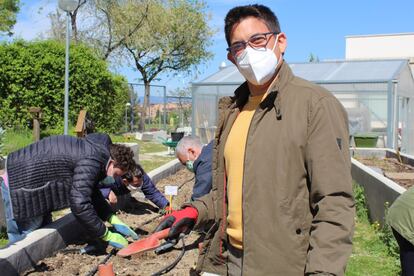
(197, 158)
(138, 179)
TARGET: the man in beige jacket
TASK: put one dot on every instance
(281, 202)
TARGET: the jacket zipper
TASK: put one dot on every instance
(224, 213)
(244, 165)
(223, 224)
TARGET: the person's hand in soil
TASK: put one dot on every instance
(114, 239)
(112, 198)
(181, 221)
(122, 228)
(166, 210)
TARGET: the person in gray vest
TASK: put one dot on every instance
(64, 171)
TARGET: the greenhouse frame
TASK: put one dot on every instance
(377, 94)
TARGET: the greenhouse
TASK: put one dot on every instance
(377, 94)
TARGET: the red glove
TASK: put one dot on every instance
(181, 221)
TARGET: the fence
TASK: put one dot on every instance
(165, 111)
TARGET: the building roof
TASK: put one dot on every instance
(325, 72)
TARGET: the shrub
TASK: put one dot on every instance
(387, 237)
(32, 74)
(360, 204)
(2, 132)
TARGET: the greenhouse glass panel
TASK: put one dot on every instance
(368, 90)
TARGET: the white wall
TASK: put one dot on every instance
(380, 46)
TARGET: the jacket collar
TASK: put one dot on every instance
(283, 77)
(241, 95)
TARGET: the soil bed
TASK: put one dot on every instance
(391, 168)
(142, 216)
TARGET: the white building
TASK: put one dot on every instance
(381, 46)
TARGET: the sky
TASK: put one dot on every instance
(318, 27)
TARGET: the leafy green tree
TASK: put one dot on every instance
(58, 22)
(107, 24)
(313, 58)
(174, 38)
(183, 96)
(8, 12)
(32, 74)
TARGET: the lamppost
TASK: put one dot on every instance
(127, 105)
(68, 6)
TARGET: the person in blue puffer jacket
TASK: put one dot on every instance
(63, 171)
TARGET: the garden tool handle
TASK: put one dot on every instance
(161, 234)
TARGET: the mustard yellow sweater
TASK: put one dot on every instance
(234, 157)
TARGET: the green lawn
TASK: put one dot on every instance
(3, 237)
(369, 253)
(144, 146)
(16, 139)
(155, 162)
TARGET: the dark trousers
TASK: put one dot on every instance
(406, 254)
(235, 261)
(17, 230)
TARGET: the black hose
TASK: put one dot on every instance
(93, 271)
(164, 269)
(176, 261)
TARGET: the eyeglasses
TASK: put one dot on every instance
(257, 41)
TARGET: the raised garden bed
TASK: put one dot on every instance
(138, 216)
(392, 168)
(383, 177)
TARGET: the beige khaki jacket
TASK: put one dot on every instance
(298, 207)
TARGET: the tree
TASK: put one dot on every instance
(174, 38)
(183, 95)
(57, 29)
(104, 23)
(313, 58)
(73, 15)
(32, 74)
(116, 24)
(8, 12)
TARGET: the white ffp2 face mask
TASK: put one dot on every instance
(134, 188)
(257, 66)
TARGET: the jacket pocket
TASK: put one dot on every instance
(301, 218)
(39, 201)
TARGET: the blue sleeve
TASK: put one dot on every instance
(105, 192)
(203, 173)
(152, 193)
(203, 180)
(115, 187)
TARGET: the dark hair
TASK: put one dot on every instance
(237, 14)
(136, 171)
(123, 157)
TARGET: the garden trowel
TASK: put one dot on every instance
(145, 244)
